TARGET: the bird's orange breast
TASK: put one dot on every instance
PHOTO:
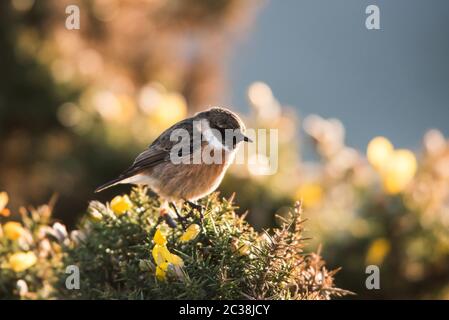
(187, 181)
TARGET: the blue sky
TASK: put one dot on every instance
(318, 56)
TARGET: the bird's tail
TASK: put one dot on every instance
(109, 184)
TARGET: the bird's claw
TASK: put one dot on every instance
(181, 219)
(194, 206)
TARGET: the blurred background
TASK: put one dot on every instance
(362, 115)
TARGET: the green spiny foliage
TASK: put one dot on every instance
(30, 254)
(228, 259)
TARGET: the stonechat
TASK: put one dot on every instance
(189, 159)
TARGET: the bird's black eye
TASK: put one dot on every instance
(222, 133)
(220, 130)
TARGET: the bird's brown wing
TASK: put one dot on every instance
(159, 150)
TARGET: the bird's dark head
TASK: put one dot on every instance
(225, 122)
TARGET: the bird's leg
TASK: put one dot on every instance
(196, 206)
(164, 215)
(180, 218)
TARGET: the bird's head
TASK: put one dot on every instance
(226, 126)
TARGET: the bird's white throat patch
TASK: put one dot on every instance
(211, 139)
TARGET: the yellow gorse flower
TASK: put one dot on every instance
(310, 194)
(378, 151)
(121, 204)
(399, 171)
(175, 260)
(396, 167)
(161, 271)
(13, 230)
(164, 266)
(159, 238)
(160, 254)
(170, 109)
(191, 233)
(163, 257)
(377, 251)
(21, 261)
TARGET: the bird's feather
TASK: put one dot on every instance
(158, 152)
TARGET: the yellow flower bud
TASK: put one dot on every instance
(95, 216)
(121, 204)
(191, 233)
(21, 261)
(13, 230)
(159, 238)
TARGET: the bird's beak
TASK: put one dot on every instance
(246, 139)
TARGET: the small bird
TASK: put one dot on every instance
(182, 170)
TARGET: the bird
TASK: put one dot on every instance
(189, 159)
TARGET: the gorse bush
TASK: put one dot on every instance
(126, 250)
(30, 253)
